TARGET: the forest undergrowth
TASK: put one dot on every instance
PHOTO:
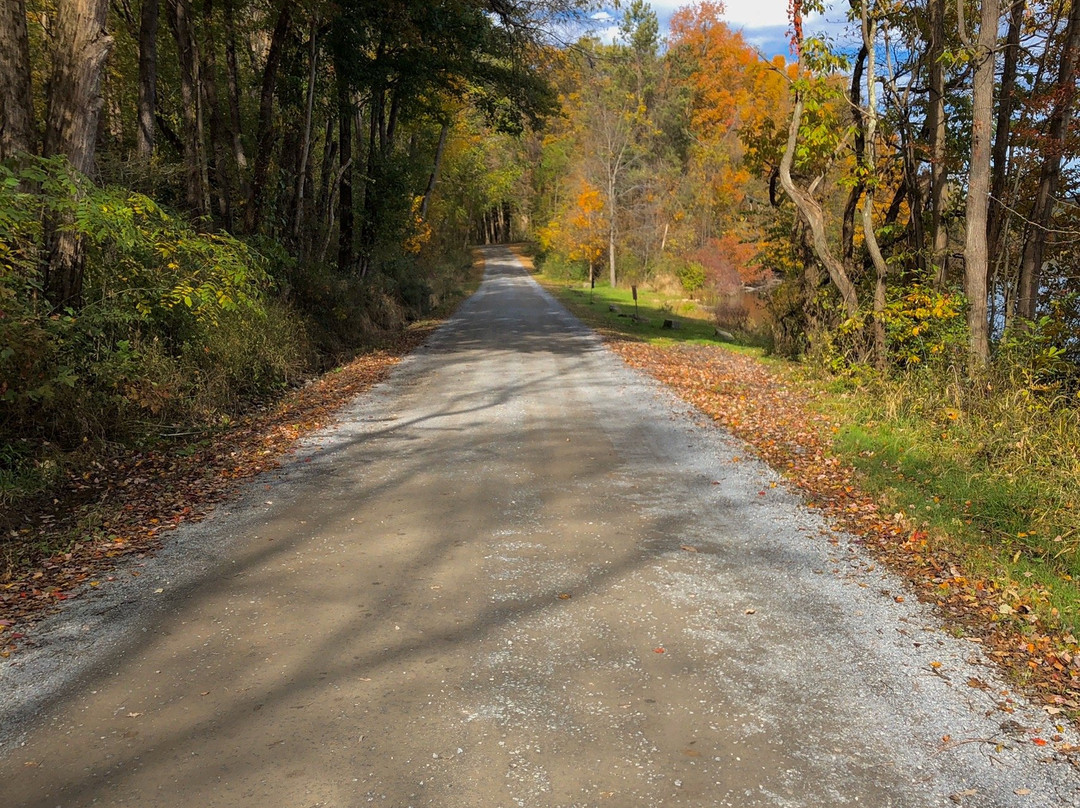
(107, 500)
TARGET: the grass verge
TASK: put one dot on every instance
(613, 311)
(971, 498)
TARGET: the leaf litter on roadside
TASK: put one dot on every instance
(124, 505)
(774, 418)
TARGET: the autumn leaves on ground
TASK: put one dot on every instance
(775, 419)
(126, 504)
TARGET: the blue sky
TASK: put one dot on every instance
(763, 22)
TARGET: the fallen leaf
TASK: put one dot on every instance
(658, 650)
(689, 548)
(564, 596)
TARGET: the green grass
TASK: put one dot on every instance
(643, 321)
(994, 481)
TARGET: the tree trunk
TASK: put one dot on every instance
(265, 133)
(611, 236)
(1000, 151)
(232, 81)
(811, 213)
(1042, 212)
(80, 46)
(110, 121)
(937, 126)
(327, 170)
(148, 28)
(305, 143)
(976, 255)
(373, 185)
(16, 98)
(196, 191)
(847, 227)
(346, 232)
(219, 145)
(434, 176)
(869, 34)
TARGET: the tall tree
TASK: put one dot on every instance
(1042, 211)
(976, 255)
(16, 102)
(264, 138)
(147, 101)
(810, 210)
(80, 46)
(197, 185)
(937, 124)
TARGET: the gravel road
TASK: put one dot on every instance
(517, 574)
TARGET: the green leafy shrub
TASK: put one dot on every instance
(924, 325)
(559, 268)
(1041, 354)
(173, 324)
(692, 276)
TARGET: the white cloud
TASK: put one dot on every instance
(756, 13)
(748, 13)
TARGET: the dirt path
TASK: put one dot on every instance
(517, 575)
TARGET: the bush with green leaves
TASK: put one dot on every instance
(162, 302)
(925, 325)
(692, 276)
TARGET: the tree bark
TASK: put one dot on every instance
(1002, 131)
(811, 213)
(305, 143)
(147, 102)
(976, 254)
(1042, 212)
(197, 192)
(327, 170)
(346, 224)
(847, 227)
(937, 125)
(265, 132)
(870, 116)
(219, 141)
(373, 183)
(433, 178)
(80, 45)
(232, 80)
(16, 98)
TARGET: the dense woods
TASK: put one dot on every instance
(204, 200)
